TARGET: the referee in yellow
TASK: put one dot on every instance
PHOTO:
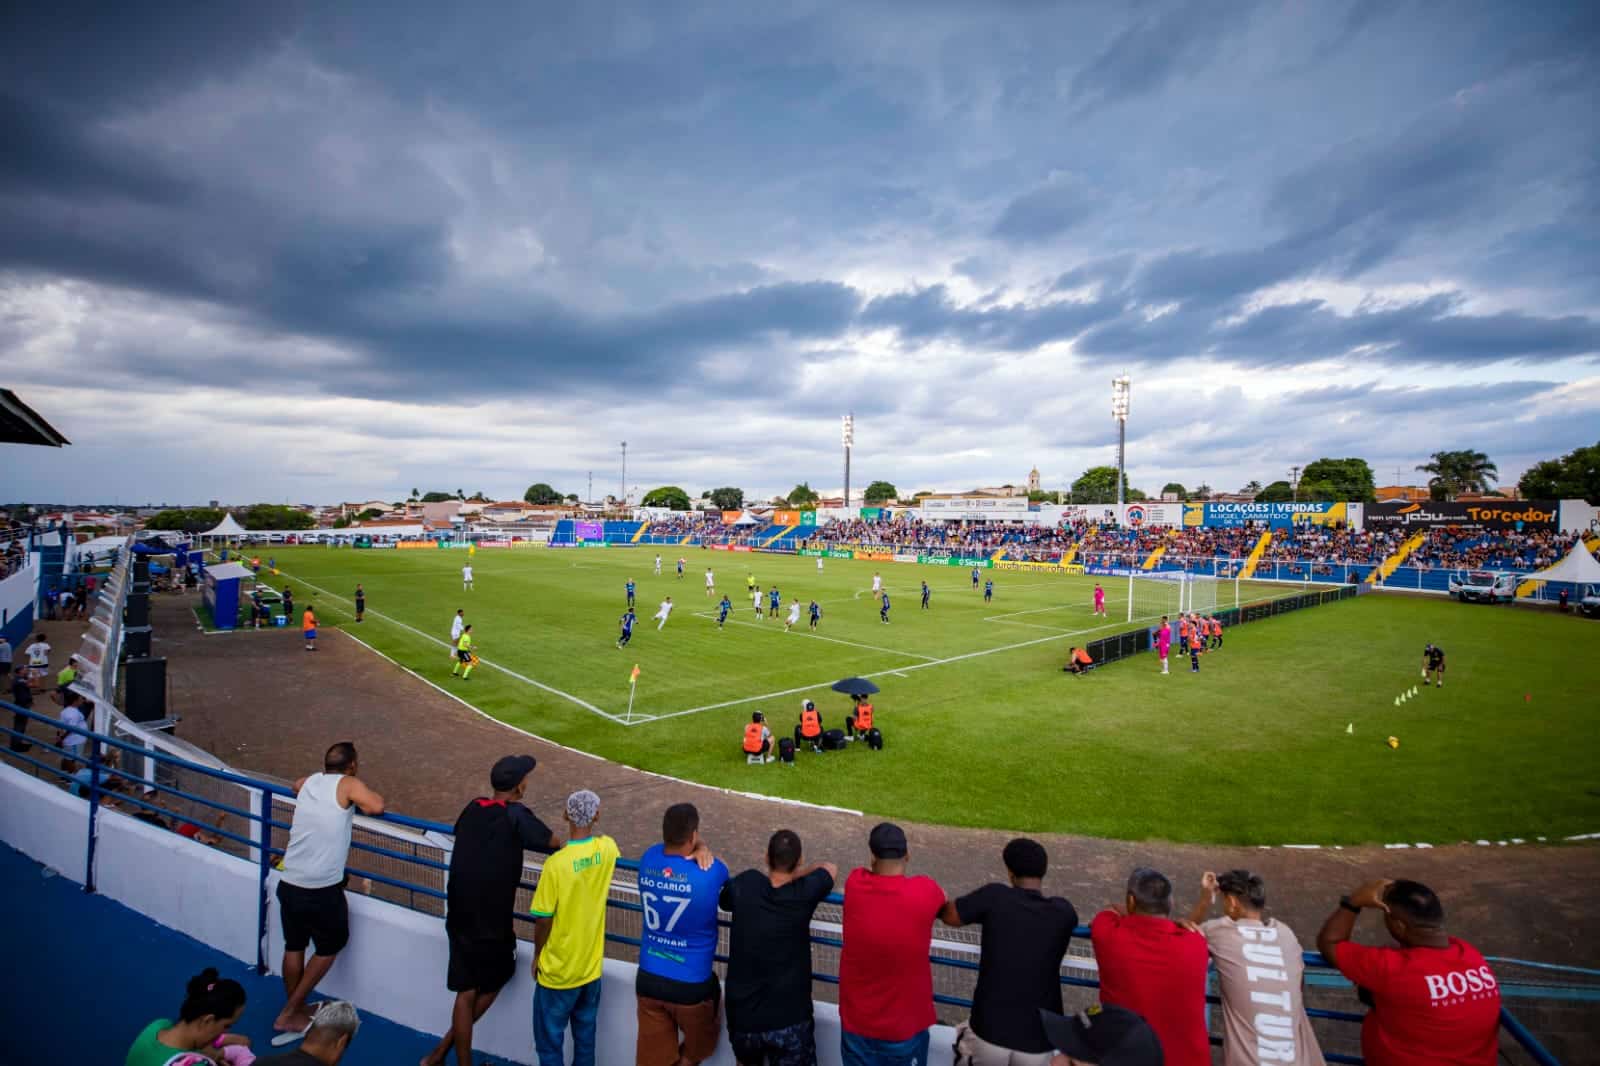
(464, 656)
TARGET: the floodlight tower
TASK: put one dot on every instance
(849, 437)
(1119, 411)
(624, 487)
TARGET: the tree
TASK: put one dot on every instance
(460, 495)
(1319, 491)
(480, 496)
(1277, 492)
(1452, 473)
(803, 496)
(666, 496)
(1351, 480)
(1040, 496)
(1099, 485)
(1173, 488)
(726, 498)
(879, 492)
(188, 520)
(436, 497)
(541, 494)
(1251, 489)
(277, 516)
(415, 494)
(1202, 491)
(920, 493)
(1574, 476)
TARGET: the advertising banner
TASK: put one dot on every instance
(811, 551)
(808, 518)
(899, 558)
(494, 544)
(785, 518)
(877, 557)
(1273, 515)
(1023, 564)
(840, 553)
(940, 559)
(740, 548)
(413, 545)
(976, 508)
(1499, 514)
(872, 514)
(730, 517)
(1138, 515)
(589, 530)
(591, 544)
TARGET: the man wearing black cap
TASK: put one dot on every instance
(485, 870)
(1025, 936)
(1101, 1036)
(885, 982)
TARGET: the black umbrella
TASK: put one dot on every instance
(855, 686)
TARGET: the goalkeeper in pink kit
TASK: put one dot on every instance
(1099, 601)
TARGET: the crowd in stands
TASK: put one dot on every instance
(1432, 997)
(1451, 548)
(684, 525)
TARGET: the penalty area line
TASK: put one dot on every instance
(585, 704)
(818, 636)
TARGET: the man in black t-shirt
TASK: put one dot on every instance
(768, 987)
(1025, 937)
(1433, 665)
(485, 871)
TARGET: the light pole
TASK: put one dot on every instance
(849, 439)
(1119, 411)
(624, 501)
(1294, 483)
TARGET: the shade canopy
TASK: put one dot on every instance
(1579, 567)
(225, 528)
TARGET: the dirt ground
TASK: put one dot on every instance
(261, 702)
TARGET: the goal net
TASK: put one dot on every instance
(1154, 594)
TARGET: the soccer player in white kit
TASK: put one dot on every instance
(457, 624)
(711, 582)
(757, 597)
(658, 564)
(664, 612)
(877, 587)
(819, 564)
(466, 577)
(794, 615)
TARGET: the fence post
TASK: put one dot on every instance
(94, 810)
(264, 848)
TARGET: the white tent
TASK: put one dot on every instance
(747, 519)
(1579, 567)
(225, 528)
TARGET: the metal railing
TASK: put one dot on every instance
(405, 860)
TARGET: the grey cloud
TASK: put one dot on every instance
(1043, 214)
(1158, 47)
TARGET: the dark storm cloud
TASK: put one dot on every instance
(927, 314)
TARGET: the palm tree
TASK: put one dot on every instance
(415, 494)
(1252, 489)
(1453, 473)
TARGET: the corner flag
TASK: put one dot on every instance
(633, 678)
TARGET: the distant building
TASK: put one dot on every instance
(1410, 493)
(1033, 480)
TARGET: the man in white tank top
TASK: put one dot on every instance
(311, 903)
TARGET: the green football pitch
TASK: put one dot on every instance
(1280, 739)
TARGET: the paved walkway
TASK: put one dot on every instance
(259, 701)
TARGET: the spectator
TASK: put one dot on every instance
(769, 956)
(1432, 999)
(569, 930)
(71, 743)
(333, 1026)
(885, 982)
(679, 881)
(1260, 968)
(311, 899)
(1105, 1034)
(485, 872)
(211, 1006)
(1155, 967)
(38, 654)
(1025, 937)
(64, 679)
(5, 660)
(21, 696)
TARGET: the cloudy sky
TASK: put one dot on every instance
(328, 252)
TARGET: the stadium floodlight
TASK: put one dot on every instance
(1119, 411)
(624, 486)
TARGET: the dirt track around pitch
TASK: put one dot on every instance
(261, 702)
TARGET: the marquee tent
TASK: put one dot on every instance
(1579, 568)
(225, 528)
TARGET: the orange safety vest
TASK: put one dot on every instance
(864, 716)
(752, 738)
(308, 620)
(1216, 628)
(1183, 629)
(810, 724)
(1082, 657)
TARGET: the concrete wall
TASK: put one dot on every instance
(17, 594)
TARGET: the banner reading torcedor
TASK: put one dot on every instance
(1527, 515)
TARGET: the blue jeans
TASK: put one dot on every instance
(855, 1050)
(553, 1008)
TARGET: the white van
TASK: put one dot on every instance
(1485, 586)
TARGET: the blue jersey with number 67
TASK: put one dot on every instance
(680, 915)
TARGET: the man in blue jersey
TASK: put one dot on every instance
(679, 997)
(626, 621)
(774, 601)
(988, 590)
(883, 609)
(630, 588)
(974, 578)
(722, 611)
(925, 595)
(816, 614)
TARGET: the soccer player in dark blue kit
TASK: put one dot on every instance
(988, 589)
(722, 611)
(630, 589)
(883, 609)
(816, 614)
(925, 595)
(974, 578)
(627, 621)
(774, 601)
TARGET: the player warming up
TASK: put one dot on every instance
(626, 621)
(794, 615)
(1099, 601)
(663, 612)
(466, 578)
(722, 611)
(1433, 665)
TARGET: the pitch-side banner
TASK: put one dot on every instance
(974, 508)
(967, 561)
(785, 518)
(1273, 515)
(1501, 514)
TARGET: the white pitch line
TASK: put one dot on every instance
(818, 636)
(586, 705)
(899, 671)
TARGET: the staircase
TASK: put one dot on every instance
(784, 532)
(1155, 557)
(1253, 560)
(1391, 564)
(639, 533)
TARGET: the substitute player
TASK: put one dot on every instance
(722, 611)
(663, 612)
(1433, 664)
(758, 738)
(466, 578)
(816, 614)
(794, 615)
(626, 621)
(464, 656)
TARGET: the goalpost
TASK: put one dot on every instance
(1177, 592)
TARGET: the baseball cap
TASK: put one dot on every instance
(1105, 1035)
(887, 841)
(583, 807)
(509, 771)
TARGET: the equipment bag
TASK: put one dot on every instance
(874, 739)
(833, 740)
(785, 749)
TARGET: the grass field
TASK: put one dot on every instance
(981, 726)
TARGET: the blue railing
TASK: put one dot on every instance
(259, 843)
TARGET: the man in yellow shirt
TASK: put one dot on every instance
(569, 935)
(464, 655)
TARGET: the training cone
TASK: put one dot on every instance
(1413, 690)
(1527, 697)
(1351, 728)
(1397, 701)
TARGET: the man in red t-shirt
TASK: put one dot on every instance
(1155, 967)
(1433, 1000)
(885, 982)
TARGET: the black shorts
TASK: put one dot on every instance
(319, 916)
(464, 656)
(480, 965)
